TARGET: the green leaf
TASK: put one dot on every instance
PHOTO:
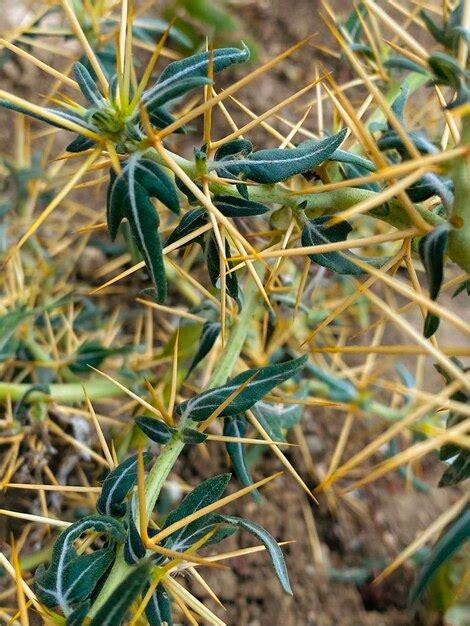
(273, 166)
(87, 85)
(158, 610)
(191, 221)
(79, 144)
(200, 407)
(197, 65)
(209, 334)
(353, 159)
(204, 494)
(114, 610)
(117, 485)
(134, 548)
(155, 429)
(453, 538)
(213, 266)
(130, 196)
(270, 543)
(315, 233)
(231, 206)
(71, 578)
(236, 427)
(91, 354)
(278, 417)
(66, 115)
(457, 471)
(402, 63)
(174, 90)
(398, 105)
(432, 249)
(78, 616)
(338, 389)
(233, 148)
(192, 436)
(160, 118)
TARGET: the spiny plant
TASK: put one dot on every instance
(305, 199)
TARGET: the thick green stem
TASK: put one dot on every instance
(170, 453)
(66, 392)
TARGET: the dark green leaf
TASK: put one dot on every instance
(398, 105)
(213, 266)
(432, 249)
(134, 548)
(158, 610)
(155, 429)
(78, 616)
(270, 543)
(204, 494)
(354, 159)
(70, 577)
(161, 118)
(452, 539)
(117, 485)
(87, 85)
(191, 221)
(79, 144)
(316, 233)
(338, 389)
(457, 471)
(231, 206)
(91, 354)
(236, 147)
(192, 436)
(236, 427)
(114, 610)
(264, 380)
(402, 63)
(209, 334)
(273, 166)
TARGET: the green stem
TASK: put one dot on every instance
(170, 453)
(66, 392)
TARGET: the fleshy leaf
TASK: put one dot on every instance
(232, 206)
(117, 485)
(273, 166)
(269, 542)
(191, 221)
(134, 548)
(78, 616)
(79, 144)
(87, 85)
(155, 429)
(213, 266)
(175, 90)
(264, 380)
(315, 233)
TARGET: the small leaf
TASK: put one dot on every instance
(155, 429)
(273, 166)
(191, 221)
(270, 543)
(457, 471)
(402, 63)
(134, 548)
(209, 334)
(200, 407)
(174, 90)
(87, 85)
(114, 610)
(192, 436)
(339, 390)
(236, 147)
(66, 579)
(236, 427)
(353, 159)
(204, 494)
(213, 266)
(158, 610)
(454, 537)
(160, 118)
(231, 206)
(197, 65)
(117, 485)
(79, 144)
(315, 233)
(432, 249)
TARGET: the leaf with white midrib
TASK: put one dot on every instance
(117, 485)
